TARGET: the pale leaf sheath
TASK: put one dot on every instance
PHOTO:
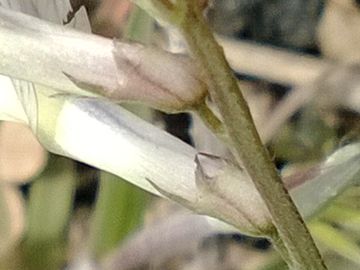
(110, 138)
(49, 54)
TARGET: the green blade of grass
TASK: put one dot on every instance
(118, 211)
(50, 205)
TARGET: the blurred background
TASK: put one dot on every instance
(297, 62)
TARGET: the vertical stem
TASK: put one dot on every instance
(245, 142)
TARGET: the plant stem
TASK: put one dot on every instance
(211, 120)
(278, 244)
(245, 141)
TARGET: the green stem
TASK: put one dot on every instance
(245, 141)
(211, 120)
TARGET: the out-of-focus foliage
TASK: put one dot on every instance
(309, 137)
(278, 22)
(22, 156)
(337, 33)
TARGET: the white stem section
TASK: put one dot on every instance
(110, 138)
(71, 61)
(97, 132)
(10, 106)
(33, 49)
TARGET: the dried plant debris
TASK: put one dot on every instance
(22, 157)
(338, 32)
(198, 245)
